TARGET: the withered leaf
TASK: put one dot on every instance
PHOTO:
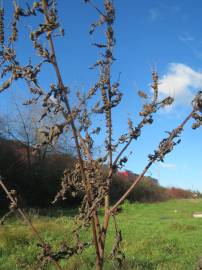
(142, 94)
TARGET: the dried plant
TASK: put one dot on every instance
(14, 206)
(91, 175)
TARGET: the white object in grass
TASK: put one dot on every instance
(197, 215)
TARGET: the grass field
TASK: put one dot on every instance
(162, 236)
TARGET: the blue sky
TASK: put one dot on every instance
(162, 34)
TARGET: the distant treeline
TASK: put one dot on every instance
(37, 178)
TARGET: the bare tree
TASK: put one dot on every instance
(92, 175)
(22, 128)
(25, 127)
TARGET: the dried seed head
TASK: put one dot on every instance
(142, 94)
(197, 102)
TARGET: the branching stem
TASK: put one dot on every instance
(74, 130)
(28, 221)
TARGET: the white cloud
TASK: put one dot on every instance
(167, 165)
(162, 11)
(154, 13)
(180, 82)
(186, 37)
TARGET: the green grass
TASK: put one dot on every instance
(160, 236)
